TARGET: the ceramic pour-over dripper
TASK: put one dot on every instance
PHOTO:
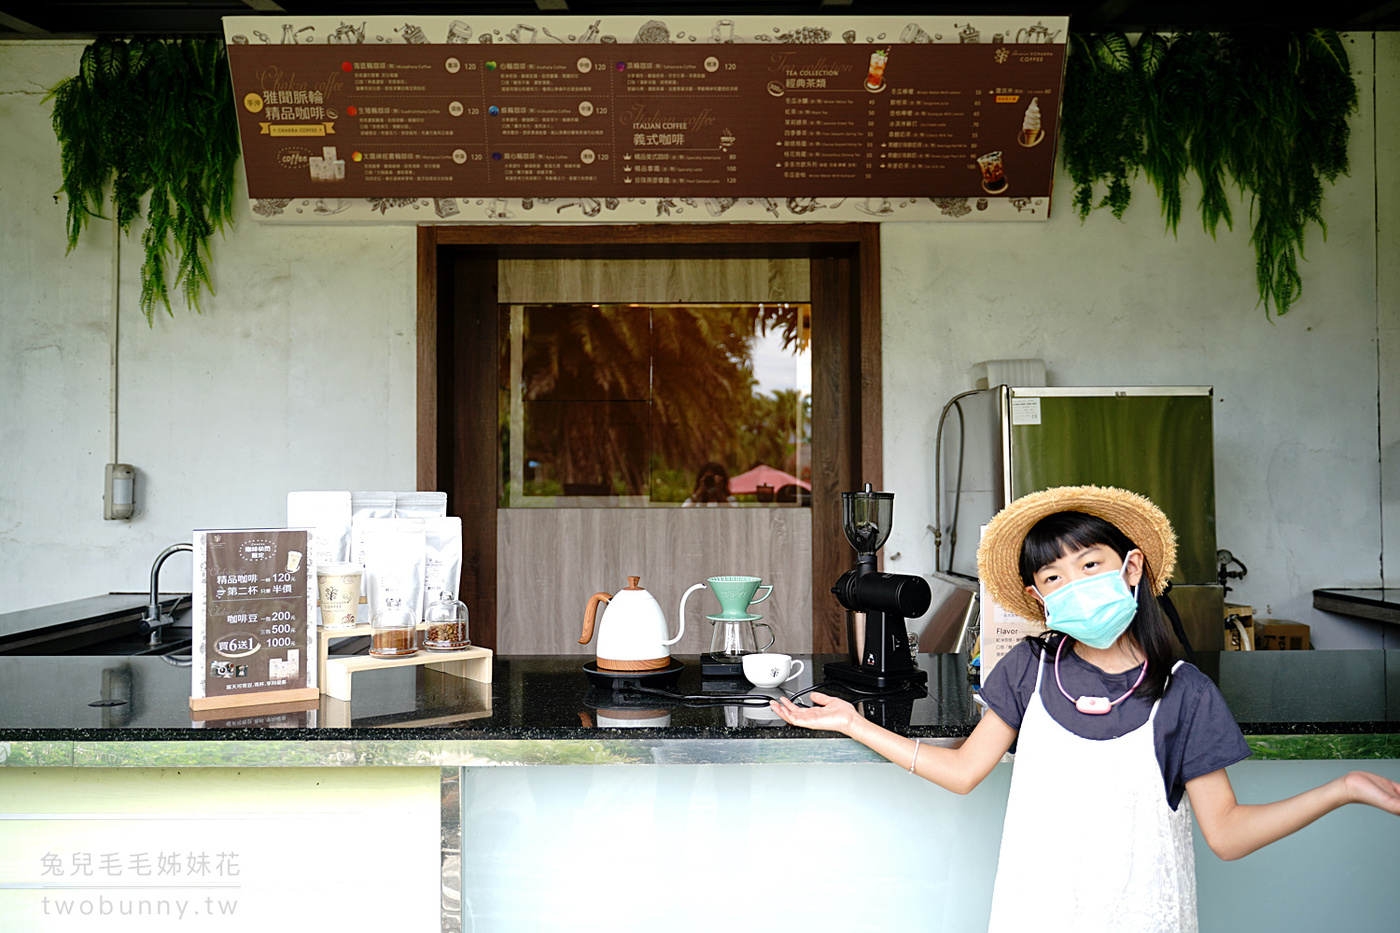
(736, 594)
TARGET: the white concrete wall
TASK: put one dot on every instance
(300, 372)
(1297, 462)
(1387, 154)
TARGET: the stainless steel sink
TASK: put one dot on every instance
(109, 624)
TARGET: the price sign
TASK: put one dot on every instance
(254, 639)
(1002, 630)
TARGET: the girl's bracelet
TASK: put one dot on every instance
(915, 760)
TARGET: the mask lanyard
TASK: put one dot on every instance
(1093, 705)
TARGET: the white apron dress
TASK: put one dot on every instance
(1090, 844)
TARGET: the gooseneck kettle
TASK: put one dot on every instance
(632, 631)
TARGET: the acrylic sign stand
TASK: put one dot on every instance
(254, 628)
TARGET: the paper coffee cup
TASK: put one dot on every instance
(338, 593)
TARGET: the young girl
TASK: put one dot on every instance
(1116, 741)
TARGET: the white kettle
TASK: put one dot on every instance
(632, 631)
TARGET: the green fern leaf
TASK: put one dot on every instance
(177, 153)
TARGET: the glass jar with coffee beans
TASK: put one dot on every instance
(447, 624)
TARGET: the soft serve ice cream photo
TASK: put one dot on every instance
(1030, 124)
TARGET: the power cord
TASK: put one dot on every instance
(740, 699)
(839, 685)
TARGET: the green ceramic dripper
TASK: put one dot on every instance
(736, 594)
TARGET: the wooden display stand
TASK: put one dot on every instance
(259, 698)
(335, 673)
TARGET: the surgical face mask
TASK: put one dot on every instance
(1094, 610)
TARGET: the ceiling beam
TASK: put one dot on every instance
(1382, 12)
(1100, 14)
(19, 25)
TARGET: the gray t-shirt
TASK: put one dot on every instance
(1194, 732)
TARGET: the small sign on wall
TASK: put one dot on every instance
(254, 631)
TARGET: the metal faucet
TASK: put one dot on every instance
(152, 621)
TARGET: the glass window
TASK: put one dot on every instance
(655, 405)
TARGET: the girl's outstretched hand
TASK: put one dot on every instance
(1365, 787)
(831, 713)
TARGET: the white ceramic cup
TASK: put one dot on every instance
(769, 670)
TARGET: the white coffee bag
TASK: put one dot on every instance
(394, 552)
(327, 516)
(443, 568)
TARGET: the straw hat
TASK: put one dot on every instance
(999, 556)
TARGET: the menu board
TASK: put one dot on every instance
(809, 118)
(253, 634)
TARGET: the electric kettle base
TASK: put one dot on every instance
(618, 680)
(890, 680)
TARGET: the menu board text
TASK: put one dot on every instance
(705, 120)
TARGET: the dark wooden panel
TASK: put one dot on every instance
(468, 405)
(427, 322)
(866, 295)
(835, 439)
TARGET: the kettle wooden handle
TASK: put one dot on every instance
(589, 615)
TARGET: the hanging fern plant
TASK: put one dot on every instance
(151, 120)
(1101, 134)
(1266, 111)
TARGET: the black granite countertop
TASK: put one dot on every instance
(119, 699)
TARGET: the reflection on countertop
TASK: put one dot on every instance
(530, 697)
(549, 696)
(1286, 702)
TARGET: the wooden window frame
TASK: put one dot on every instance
(458, 353)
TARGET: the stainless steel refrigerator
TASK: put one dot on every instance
(1001, 443)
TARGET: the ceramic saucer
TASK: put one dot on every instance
(721, 617)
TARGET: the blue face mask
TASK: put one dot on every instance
(1094, 610)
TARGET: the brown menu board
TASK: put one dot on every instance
(704, 120)
(252, 623)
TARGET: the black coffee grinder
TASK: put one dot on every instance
(877, 604)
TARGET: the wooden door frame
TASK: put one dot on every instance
(456, 353)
